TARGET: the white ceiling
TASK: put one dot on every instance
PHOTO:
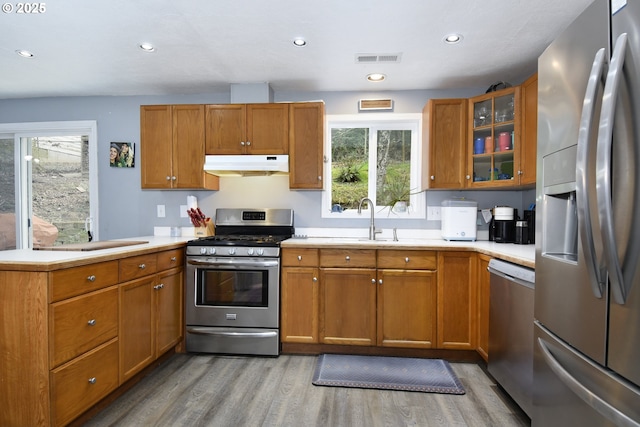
(90, 47)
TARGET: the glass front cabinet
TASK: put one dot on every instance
(494, 140)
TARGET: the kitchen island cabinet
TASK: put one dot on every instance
(172, 148)
(62, 340)
(247, 128)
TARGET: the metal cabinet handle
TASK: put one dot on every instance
(91, 322)
(92, 380)
(406, 260)
(142, 266)
(373, 281)
(173, 178)
(315, 279)
(158, 287)
(241, 142)
(91, 278)
(168, 178)
(299, 257)
(347, 258)
(173, 259)
(319, 178)
(248, 143)
(468, 177)
(380, 281)
(432, 178)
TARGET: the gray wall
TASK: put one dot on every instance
(127, 211)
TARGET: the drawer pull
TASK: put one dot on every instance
(158, 287)
(91, 278)
(173, 259)
(380, 281)
(373, 281)
(92, 380)
(406, 260)
(142, 266)
(299, 257)
(347, 258)
(91, 322)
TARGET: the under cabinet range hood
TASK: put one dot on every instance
(246, 165)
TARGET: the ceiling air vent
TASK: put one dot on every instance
(368, 58)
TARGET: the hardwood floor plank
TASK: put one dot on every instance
(213, 390)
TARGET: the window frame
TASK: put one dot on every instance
(17, 131)
(377, 121)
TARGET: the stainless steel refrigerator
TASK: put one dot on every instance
(587, 293)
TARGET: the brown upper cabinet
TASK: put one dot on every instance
(172, 148)
(306, 145)
(247, 129)
(528, 152)
(494, 142)
(444, 124)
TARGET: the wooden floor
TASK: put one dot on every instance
(207, 390)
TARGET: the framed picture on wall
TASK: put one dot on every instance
(121, 155)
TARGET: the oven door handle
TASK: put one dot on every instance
(206, 331)
(234, 264)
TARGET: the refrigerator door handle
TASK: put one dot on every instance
(593, 400)
(603, 170)
(583, 178)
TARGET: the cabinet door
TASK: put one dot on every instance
(156, 146)
(529, 146)
(483, 306)
(348, 306)
(225, 130)
(445, 138)
(299, 305)
(406, 308)
(188, 146)
(168, 293)
(306, 145)
(494, 142)
(136, 334)
(457, 328)
(268, 128)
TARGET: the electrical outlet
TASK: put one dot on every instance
(433, 213)
(161, 213)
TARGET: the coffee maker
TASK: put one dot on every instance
(504, 223)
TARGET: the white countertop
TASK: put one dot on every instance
(520, 254)
(30, 256)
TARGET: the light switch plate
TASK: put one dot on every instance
(433, 213)
(161, 213)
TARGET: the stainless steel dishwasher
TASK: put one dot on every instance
(511, 330)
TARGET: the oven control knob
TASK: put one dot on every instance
(260, 252)
(211, 251)
(232, 251)
(250, 251)
(203, 251)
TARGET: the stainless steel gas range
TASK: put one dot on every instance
(232, 302)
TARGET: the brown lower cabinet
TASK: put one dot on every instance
(359, 297)
(484, 287)
(74, 334)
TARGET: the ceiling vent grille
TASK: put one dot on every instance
(368, 58)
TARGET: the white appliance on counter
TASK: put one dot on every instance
(587, 292)
(459, 219)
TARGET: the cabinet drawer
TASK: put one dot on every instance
(82, 323)
(300, 257)
(79, 280)
(137, 266)
(361, 258)
(78, 385)
(407, 259)
(170, 259)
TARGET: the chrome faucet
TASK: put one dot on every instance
(372, 225)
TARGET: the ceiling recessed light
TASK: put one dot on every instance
(147, 47)
(299, 42)
(24, 53)
(376, 77)
(453, 38)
